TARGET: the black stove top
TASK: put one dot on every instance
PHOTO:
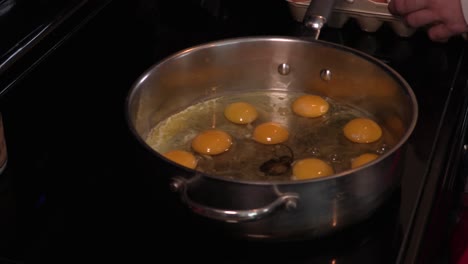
(76, 188)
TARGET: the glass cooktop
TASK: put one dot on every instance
(77, 189)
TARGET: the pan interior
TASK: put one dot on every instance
(188, 91)
(318, 137)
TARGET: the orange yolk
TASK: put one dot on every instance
(310, 106)
(240, 113)
(270, 133)
(363, 159)
(212, 142)
(311, 168)
(182, 157)
(362, 130)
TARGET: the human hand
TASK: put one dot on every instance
(444, 18)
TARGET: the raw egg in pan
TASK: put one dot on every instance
(270, 133)
(310, 106)
(310, 168)
(182, 157)
(212, 142)
(363, 159)
(362, 130)
(240, 113)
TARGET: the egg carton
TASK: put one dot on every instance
(369, 14)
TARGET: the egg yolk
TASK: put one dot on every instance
(362, 130)
(310, 106)
(182, 157)
(310, 168)
(363, 159)
(270, 133)
(240, 113)
(212, 142)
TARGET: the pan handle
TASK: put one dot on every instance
(285, 200)
(317, 15)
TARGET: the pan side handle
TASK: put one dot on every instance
(316, 16)
(283, 201)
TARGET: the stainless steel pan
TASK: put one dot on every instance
(276, 210)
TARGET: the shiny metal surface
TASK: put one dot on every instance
(326, 74)
(317, 15)
(284, 201)
(326, 204)
(370, 15)
(284, 69)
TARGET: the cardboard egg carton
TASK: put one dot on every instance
(369, 14)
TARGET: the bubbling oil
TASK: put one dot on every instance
(320, 137)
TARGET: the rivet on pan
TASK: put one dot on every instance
(326, 74)
(284, 69)
(291, 204)
(177, 184)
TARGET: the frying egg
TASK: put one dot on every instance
(362, 130)
(310, 106)
(270, 133)
(182, 157)
(212, 142)
(363, 159)
(310, 168)
(240, 113)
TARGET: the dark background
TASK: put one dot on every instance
(77, 186)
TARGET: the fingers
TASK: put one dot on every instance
(440, 33)
(443, 18)
(404, 7)
(421, 18)
(392, 9)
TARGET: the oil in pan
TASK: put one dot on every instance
(369, 14)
